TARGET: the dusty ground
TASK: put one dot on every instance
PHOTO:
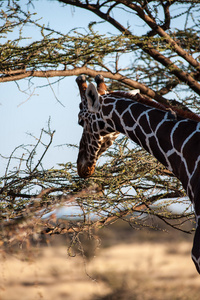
(138, 270)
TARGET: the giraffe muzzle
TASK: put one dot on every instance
(85, 171)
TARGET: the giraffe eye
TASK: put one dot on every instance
(81, 122)
(80, 119)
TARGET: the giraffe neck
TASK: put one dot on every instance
(175, 143)
(173, 140)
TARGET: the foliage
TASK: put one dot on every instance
(164, 64)
(135, 189)
(164, 58)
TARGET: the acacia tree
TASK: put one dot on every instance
(164, 66)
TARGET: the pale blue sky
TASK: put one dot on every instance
(22, 114)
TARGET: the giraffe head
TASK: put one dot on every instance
(97, 135)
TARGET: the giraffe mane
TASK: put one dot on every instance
(147, 101)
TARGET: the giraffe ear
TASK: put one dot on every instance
(92, 98)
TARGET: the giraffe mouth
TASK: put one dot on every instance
(85, 171)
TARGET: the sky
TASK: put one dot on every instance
(24, 114)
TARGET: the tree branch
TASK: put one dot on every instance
(193, 62)
(87, 71)
(165, 61)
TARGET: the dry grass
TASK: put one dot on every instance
(139, 270)
(51, 274)
(148, 271)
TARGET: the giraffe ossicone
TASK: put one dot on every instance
(171, 136)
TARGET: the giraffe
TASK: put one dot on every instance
(171, 136)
